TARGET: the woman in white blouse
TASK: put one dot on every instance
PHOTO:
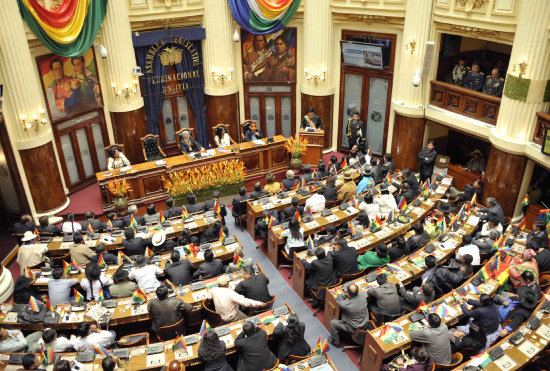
(222, 137)
(116, 159)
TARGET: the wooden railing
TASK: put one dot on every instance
(464, 101)
(543, 121)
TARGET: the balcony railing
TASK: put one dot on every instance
(465, 102)
(543, 121)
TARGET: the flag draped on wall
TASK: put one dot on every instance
(68, 31)
(263, 16)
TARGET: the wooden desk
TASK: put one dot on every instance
(316, 142)
(145, 179)
(461, 177)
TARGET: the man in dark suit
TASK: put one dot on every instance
(188, 144)
(289, 182)
(254, 286)
(412, 299)
(307, 174)
(344, 258)
(90, 219)
(132, 210)
(289, 212)
(108, 258)
(192, 207)
(258, 191)
(260, 229)
(46, 227)
(387, 299)
(237, 200)
(321, 271)
(254, 353)
(134, 245)
(213, 234)
(209, 205)
(322, 171)
(376, 170)
(409, 177)
(327, 238)
(420, 238)
(427, 161)
(252, 133)
(355, 314)
(407, 193)
(24, 224)
(311, 120)
(171, 210)
(117, 223)
(179, 271)
(210, 268)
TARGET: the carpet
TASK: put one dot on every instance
(87, 199)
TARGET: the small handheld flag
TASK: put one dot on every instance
(422, 307)
(309, 213)
(222, 236)
(271, 221)
(483, 177)
(521, 224)
(390, 216)
(34, 304)
(149, 253)
(303, 183)
(402, 204)
(66, 268)
(100, 261)
(133, 222)
(238, 261)
(48, 356)
(325, 348)
(179, 343)
(184, 213)
(333, 170)
(368, 151)
(74, 266)
(100, 296)
(37, 234)
(162, 218)
(296, 184)
(354, 201)
(315, 175)
(319, 346)
(123, 257)
(297, 216)
(216, 207)
(49, 305)
(525, 201)
(90, 229)
(78, 298)
(440, 226)
(344, 164)
(387, 180)
(139, 296)
(191, 249)
(205, 327)
(29, 273)
(474, 199)
(310, 244)
(351, 227)
(109, 225)
(101, 351)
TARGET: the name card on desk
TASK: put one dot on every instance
(441, 190)
(332, 218)
(505, 363)
(199, 295)
(232, 247)
(65, 245)
(90, 243)
(543, 331)
(74, 317)
(311, 225)
(10, 317)
(191, 225)
(139, 309)
(183, 354)
(228, 340)
(528, 348)
(472, 220)
(156, 360)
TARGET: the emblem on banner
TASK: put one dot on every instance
(171, 56)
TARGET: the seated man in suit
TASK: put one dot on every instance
(330, 237)
(419, 239)
(407, 193)
(180, 271)
(166, 311)
(247, 262)
(209, 205)
(258, 191)
(355, 314)
(90, 219)
(485, 244)
(307, 174)
(132, 210)
(412, 299)
(108, 258)
(46, 227)
(387, 299)
(261, 227)
(253, 349)
(210, 268)
(188, 144)
(213, 234)
(252, 133)
(171, 210)
(289, 183)
(436, 339)
(322, 171)
(344, 258)
(134, 245)
(289, 212)
(321, 272)
(117, 223)
(24, 224)
(410, 178)
(192, 207)
(254, 286)
(237, 200)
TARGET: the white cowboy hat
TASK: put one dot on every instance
(28, 236)
(159, 238)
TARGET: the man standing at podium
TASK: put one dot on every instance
(311, 120)
(355, 130)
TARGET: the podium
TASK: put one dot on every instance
(316, 142)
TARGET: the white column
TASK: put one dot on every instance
(517, 119)
(218, 48)
(317, 47)
(116, 34)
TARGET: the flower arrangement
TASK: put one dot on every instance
(204, 179)
(296, 147)
(118, 187)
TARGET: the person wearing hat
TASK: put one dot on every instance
(355, 130)
(367, 183)
(477, 162)
(387, 299)
(227, 301)
(22, 290)
(145, 274)
(166, 311)
(386, 202)
(252, 133)
(427, 161)
(161, 244)
(349, 189)
(445, 208)
(516, 311)
(30, 253)
(311, 120)
(94, 281)
(122, 287)
(376, 258)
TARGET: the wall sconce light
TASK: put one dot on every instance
(126, 90)
(522, 68)
(416, 78)
(316, 76)
(35, 122)
(222, 75)
(236, 36)
(411, 46)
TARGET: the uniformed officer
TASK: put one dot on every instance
(494, 84)
(458, 72)
(355, 130)
(474, 79)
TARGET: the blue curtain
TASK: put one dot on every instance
(153, 94)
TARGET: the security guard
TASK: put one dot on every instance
(494, 84)
(355, 130)
(474, 79)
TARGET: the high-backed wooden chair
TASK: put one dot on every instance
(120, 148)
(320, 295)
(133, 340)
(213, 318)
(244, 127)
(172, 331)
(151, 148)
(193, 319)
(293, 359)
(264, 308)
(456, 359)
(214, 133)
(350, 277)
(275, 366)
(179, 136)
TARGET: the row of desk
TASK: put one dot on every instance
(145, 179)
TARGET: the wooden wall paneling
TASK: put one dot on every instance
(128, 128)
(323, 108)
(408, 135)
(251, 162)
(222, 109)
(43, 177)
(503, 177)
(278, 157)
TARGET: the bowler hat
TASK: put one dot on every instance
(527, 296)
(367, 171)
(348, 175)
(383, 187)
(382, 250)
(444, 207)
(141, 261)
(478, 152)
(21, 283)
(120, 275)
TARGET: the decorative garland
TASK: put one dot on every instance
(263, 16)
(68, 31)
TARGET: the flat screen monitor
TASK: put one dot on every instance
(362, 54)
